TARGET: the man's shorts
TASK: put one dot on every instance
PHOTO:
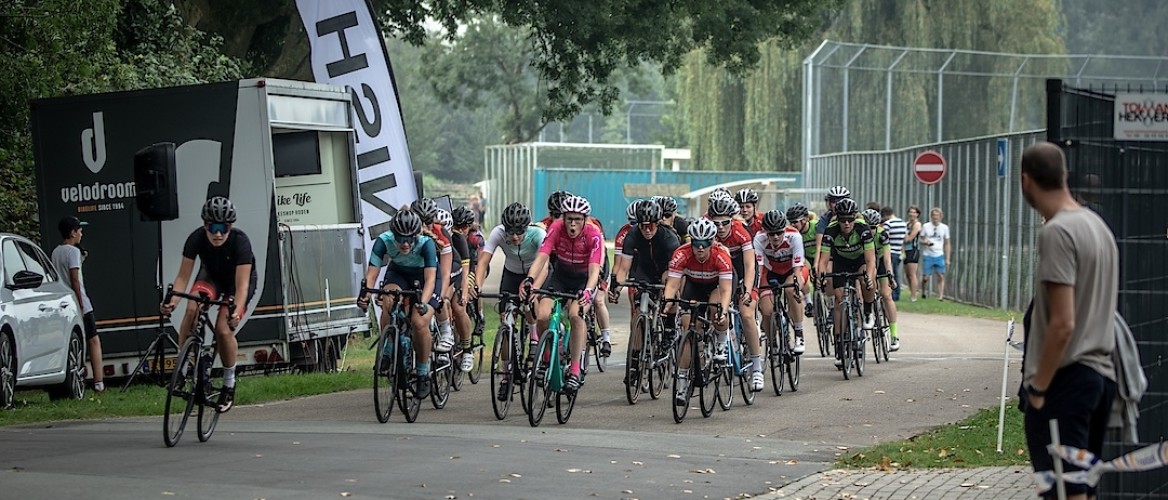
(933, 264)
(699, 292)
(840, 265)
(90, 325)
(1080, 398)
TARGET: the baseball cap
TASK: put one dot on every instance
(68, 224)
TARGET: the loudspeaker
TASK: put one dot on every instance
(156, 182)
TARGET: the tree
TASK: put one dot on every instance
(576, 45)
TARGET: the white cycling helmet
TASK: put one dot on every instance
(703, 229)
(872, 217)
(577, 204)
(443, 217)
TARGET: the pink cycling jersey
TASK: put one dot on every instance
(574, 253)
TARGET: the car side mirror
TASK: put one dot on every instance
(24, 280)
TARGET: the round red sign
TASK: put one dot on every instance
(929, 167)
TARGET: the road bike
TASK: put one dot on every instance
(193, 381)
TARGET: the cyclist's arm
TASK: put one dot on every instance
(748, 269)
(593, 276)
(726, 286)
(623, 264)
(537, 267)
(870, 259)
(482, 267)
(672, 286)
(242, 280)
(428, 276)
(182, 278)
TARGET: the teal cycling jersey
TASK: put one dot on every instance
(418, 257)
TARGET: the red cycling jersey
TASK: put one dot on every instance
(619, 242)
(755, 225)
(738, 239)
(717, 267)
(441, 238)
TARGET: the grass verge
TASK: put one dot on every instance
(969, 443)
(34, 406)
(950, 308)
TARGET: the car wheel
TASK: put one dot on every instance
(7, 371)
(73, 387)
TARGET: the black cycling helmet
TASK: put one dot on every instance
(405, 223)
(746, 196)
(555, 202)
(425, 209)
(796, 212)
(219, 210)
(463, 216)
(774, 221)
(723, 206)
(648, 213)
(846, 206)
(668, 204)
(516, 218)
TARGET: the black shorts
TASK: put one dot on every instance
(90, 325)
(699, 292)
(223, 289)
(510, 281)
(912, 256)
(839, 265)
(1080, 398)
(565, 281)
(406, 282)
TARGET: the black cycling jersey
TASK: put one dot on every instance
(461, 250)
(650, 257)
(219, 263)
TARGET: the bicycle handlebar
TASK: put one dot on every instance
(635, 283)
(694, 303)
(555, 294)
(201, 298)
(396, 293)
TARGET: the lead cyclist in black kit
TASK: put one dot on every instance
(227, 267)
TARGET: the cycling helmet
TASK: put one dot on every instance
(648, 213)
(774, 221)
(555, 202)
(846, 206)
(631, 210)
(746, 196)
(703, 229)
(218, 210)
(516, 218)
(838, 193)
(668, 204)
(463, 216)
(872, 217)
(425, 209)
(796, 212)
(720, 193)
(576, 204)
(405, 223)
(723, 206)
(443, 217)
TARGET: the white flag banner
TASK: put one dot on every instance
(347, 49)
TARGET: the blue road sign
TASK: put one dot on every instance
(1003, 156)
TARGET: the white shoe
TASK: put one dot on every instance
(869, 320)
(445, 342)
(467, 362)
(756, 382)
(720, 353)
(895, 346)
(679, 398)
(800, 345)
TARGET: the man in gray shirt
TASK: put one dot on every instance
(1067, 370)
(67, 259)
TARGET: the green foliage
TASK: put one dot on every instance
(64, 47)
(969, 443)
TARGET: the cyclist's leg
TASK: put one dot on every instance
(420, 326)
(794, 308)
(889, 309)
(578, 339)
(188, 321)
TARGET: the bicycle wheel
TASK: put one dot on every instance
(441, 379)
(844, 350)
(538, 388)
(456, 374)
(858, 350)
(385, 373)
(208, 415)
(707, 378)
(679, 410)
(774, 357)
(565, 402)
(660, 361)
(405, 382)
(180, 394)
(823, 324)
(746, 369)
(501, 371)
(792, 365)
(724, 384)
(477, 346)
(634, 367)
(594, 345)
(885, 331)
(877, 331)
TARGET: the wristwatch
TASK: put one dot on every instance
(1034, 391)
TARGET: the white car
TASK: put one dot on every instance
(41, 339)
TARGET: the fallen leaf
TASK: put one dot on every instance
(638, 463)
(259, 456)
(627, 492)
(687, 491)
(860, 484)
(792, 461)
(940, 390)
(573, 470)
(346, 494)
(879, 392)
(295, 442)
(841, 447)
(943, 453)
(967, 485)
(504, 480)
(561, 450)
(455, 457)
(168, 493)
(908, 401)
(672, 456)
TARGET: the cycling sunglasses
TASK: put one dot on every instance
(723, 223)
(702, 244)
(847, 219)
(218, 228)
(406, 240)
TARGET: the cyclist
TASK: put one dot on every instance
(670, 219)
(804, 221)
(407, 255)
(579, 248)
(427, 211)
(474, 237)
(849, 248)
(733, 235)
(782, 248)
(619, 241)
(555, 211)
(646, 253)
(226, 268)
(748, 203)
(519, 241)
(458, 293)
(883, 265)
(709, 277)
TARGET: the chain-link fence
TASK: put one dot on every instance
(991, 227)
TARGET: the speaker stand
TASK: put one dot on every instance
(157, 348)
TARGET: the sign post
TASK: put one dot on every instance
(1004, 198)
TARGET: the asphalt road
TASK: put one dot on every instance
(331, 446)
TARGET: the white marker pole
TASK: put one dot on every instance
(1005, 372)
(1055, 440)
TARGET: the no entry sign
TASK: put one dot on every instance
(929, 167)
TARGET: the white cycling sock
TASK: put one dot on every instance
(756, 362)
(228, 376)
(444, 327)
(605, 335)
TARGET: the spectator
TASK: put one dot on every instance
(872, 205)
(912, 249)
(897, 229)
(479, 205)
(1068, 374)
(936, 252)
(67, 259)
